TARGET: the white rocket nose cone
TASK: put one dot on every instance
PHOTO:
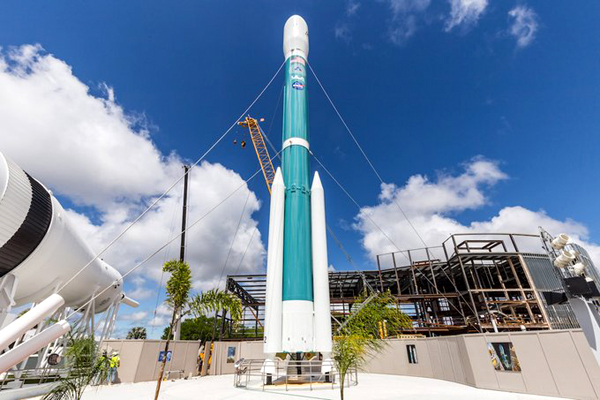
(3, 175)
(295, 37)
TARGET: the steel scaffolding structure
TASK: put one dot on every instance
(471, 283)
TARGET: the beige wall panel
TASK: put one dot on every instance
(446, 358)
(568, 371)
(483, 370)
(130, 357)
(225, 367)
(149, 366)
(251, 350)
(424, 359)
(178, 358)
(436, 360)
(465, 361)
(455, 359)
(589, 361)
(535, 370)
(384, 362)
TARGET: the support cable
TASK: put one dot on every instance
(364, 154)
(244, 184)
(174, 183)
(382, 182)
(234, 236)
(403, 252)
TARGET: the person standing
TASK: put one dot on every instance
(115, 362)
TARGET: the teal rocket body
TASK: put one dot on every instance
(297, 257)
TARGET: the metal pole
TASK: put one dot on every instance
(186, 170)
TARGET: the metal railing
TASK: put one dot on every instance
(295, 373)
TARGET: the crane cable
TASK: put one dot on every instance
(174, 183)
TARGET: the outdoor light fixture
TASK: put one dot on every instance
(564, 259)
(560, 241)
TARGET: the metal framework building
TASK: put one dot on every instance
(471, 283)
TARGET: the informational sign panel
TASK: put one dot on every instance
(503, 356)
(161, 356)
(230, 354)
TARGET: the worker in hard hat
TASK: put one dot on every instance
(114, 362)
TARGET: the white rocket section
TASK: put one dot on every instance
(31, 318)
(320, 266)
(58, 257)
(295, 37)
(25, 349)
(15, 195)
(298, 326)
(274, 295)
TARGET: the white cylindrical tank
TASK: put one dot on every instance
(40, 247)
(322, 322)
(295, 37)
(274, 295)
(24, 350)
(31, 318)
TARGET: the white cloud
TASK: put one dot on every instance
(162, 316)
(88, 149)
(465, 13)
(134, 317)
(342, 31)
(352, 7)
(404, 20)
(524, 25)
(431, 204)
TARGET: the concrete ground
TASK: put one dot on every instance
(371, 386)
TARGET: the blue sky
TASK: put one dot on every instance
(494, 102)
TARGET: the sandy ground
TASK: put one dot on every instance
(371, 386)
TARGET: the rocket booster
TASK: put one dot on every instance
(297, 316)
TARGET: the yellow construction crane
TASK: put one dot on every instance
(261, 149)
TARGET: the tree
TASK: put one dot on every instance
(212, 301)
(361, 336)
(137, 332)
(199, 328)
(178, 290)
(84, 367)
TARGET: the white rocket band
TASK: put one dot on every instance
(295, 141)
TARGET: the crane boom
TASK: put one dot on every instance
(261, 149)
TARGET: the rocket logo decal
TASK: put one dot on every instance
(298, 85)
(298, 60)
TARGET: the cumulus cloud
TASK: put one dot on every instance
(404, 18)
(134, 317)
(342, 31)
(352, 7)
(465, 13)
(524, 25)
(89, 150)
(432, 205)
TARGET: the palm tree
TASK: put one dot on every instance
(137, 332)
(85, 367)
(215, 300)
(178, 290)
(361, 335)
